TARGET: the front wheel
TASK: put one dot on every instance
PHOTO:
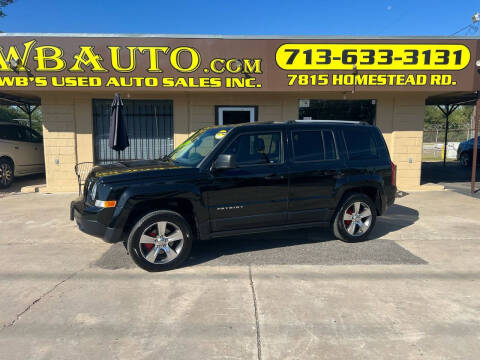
(6, 173)
(355, 218)
(160, 241)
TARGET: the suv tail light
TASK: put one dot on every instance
(394, 174)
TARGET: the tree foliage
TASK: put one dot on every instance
(459, 119)
(9, 113)
(4, 3)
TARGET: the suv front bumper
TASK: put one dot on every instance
(87, 219)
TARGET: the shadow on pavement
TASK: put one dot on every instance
(452, 172)
(19, 182)
(313, 246)
(453, 176)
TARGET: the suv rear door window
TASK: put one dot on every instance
(314, 145)
(363, 144)
(256, 149)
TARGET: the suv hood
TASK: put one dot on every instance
(156, 167)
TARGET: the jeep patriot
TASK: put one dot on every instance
(248, 178)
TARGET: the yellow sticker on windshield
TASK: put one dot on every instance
(220, 134)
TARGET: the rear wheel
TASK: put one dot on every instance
(355, 218)
(465, 159)
(160, 241)
(6, 173)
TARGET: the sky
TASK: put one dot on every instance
(293, 17)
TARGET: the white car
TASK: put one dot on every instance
(21, 152)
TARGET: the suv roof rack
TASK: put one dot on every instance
(330, 121)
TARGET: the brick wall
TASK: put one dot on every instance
(68, 126)
(405, 139)
(59, 142)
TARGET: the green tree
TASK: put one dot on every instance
(4, 3)
(459, 119)
(9, 113)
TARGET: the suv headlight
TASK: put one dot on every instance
(92, 193)
(105, 204)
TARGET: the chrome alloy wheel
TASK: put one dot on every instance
(357, 218)
(161, 243)
(6, 174)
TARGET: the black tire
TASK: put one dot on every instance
(339, 225)
(465, 159)
(6, 173)
(138, 251)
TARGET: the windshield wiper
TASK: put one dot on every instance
(165, 158)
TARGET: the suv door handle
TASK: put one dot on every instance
(335, 173)
(274, 177)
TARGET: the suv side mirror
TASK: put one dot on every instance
(224, 162)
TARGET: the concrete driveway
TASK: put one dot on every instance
(412, 293)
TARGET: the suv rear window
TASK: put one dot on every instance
(316, 145)
(363, 144)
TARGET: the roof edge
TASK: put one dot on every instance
(239, 37)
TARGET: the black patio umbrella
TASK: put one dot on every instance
(118, 137)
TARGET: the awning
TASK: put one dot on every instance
(18, 100)
(454, 98)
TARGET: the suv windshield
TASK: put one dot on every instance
(196, 147)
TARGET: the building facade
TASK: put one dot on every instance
(172, 86)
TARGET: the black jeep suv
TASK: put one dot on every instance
(230, 180)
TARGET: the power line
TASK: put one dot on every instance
(470, 27)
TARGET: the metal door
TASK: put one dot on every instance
(149, 126)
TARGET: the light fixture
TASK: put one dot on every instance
(477, 63)
(241, 65)
(476, 17)
(15, 63)
(237, 63)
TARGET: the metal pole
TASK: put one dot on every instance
(475, 146)
(446, 137)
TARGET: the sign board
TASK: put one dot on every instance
(236, 64)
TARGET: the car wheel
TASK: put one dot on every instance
(6, 173)
(465, 159)
(355, 218)
(160, 241)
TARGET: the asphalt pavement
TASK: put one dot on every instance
(411, 292)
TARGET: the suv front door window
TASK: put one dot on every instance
(256, 149)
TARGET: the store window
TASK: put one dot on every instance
(354, 110)
(231, 115)
(149, 128)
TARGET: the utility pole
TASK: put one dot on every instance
(475, 145)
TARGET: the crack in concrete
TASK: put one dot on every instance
(257, 321)
(11, 323)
